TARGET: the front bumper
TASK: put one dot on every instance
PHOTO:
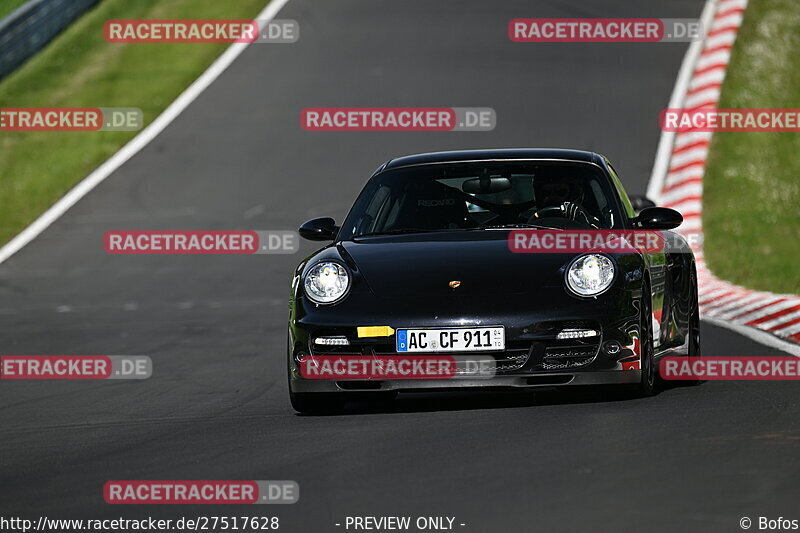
(533, 357)
(498, 382)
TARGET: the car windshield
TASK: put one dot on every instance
(484, 195)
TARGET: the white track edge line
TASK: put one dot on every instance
(660, 167)
(665, 142)
(758, 335)
(657, 177)
(137, 143)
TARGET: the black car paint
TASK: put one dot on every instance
(402, 281)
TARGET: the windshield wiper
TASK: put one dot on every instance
(401, 231)
(516, 225)
(398, 231)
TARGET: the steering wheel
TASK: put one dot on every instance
(568, 210)
(551, 211)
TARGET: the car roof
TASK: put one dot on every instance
(494, 154)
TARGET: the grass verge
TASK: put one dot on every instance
(751, 203)
(80, 69)
(7, 6)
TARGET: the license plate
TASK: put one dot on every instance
(451, 339)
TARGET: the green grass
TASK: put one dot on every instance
(7, 6)
(751, 211)
(80, 69)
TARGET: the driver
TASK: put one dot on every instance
(562, 197)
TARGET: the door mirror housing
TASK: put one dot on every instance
(640, 202)
(657, 218)
(319, 229)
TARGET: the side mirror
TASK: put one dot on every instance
(319, 229)
(640, 202)
(658, 218)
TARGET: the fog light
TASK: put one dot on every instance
(612, 347)
(332, 341)
(576, 333)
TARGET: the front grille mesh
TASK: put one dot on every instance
(513, 358)
(562, 357)
(538, 355)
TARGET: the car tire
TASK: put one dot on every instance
(317, 403)
(647, 384)
(694, 325)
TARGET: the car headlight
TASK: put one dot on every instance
(590, 274)
(326, 282)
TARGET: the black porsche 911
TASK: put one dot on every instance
(423, 272)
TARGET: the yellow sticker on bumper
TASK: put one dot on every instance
(375, 331)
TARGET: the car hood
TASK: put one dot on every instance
(423, 265)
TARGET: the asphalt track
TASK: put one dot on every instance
(689, 459)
